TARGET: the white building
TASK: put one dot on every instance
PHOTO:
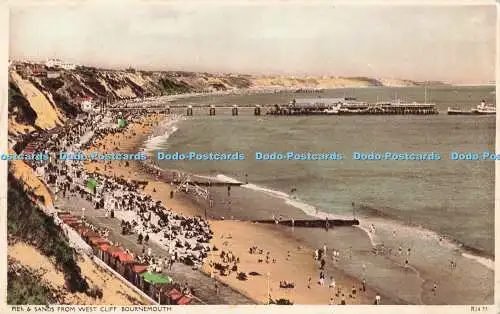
(53, 63)
(68, 66)
(57, 63)
(87, 104)
(53, 75)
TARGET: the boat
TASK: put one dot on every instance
(485, 109)
(454, 111)
(332, 110)
(482, 109)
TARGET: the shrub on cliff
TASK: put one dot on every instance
(25, 114)
(52, 83)
(280, 301)
(27, 223)
(25, 286)
(172, 87)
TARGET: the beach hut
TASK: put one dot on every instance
(133, 272)
(184, 300)
(95, 243)
(149, 280)
(70, 220)
(77, 225)
(159, 292)
(103, 247)
(109, 256)
(88, 233)
(65, 216)
(174, 295)
(82, 230)
(122, 260)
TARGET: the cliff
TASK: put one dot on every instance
(43, 268)
(42, 98)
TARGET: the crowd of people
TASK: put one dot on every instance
(185, 239)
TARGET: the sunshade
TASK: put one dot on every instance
(156, 278)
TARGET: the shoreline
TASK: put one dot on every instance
(446, 244)
(482, 256)
(183, 204)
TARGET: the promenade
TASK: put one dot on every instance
(204, 286)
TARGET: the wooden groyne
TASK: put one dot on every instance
(312, 223)
(216, 183)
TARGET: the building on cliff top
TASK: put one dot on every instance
(57, 63)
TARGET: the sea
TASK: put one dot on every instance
(434, 206)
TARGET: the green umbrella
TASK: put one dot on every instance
(156, 278)
(122, 123)
(91, 185)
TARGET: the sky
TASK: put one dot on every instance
(456, 44)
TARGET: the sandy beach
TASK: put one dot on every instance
(294, 260)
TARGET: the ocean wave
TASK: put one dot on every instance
(389, 223)
(161, 134)
(386, 222)
(221, 178)
(481, 260)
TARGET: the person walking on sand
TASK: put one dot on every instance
(172, 261)
(332, 283)
(321, 279)
(377, 299)
(434, 288)
(309, 283)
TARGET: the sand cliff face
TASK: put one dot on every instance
(47, 113)
(115, 291)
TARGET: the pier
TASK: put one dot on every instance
(235, 109)
(313, 223)
(305, 106)
(348, 106)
